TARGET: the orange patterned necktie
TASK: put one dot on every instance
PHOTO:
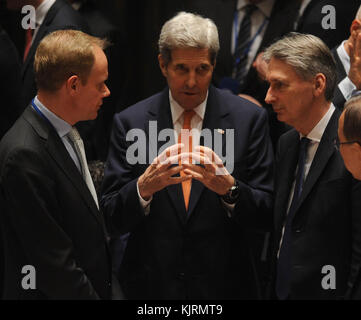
(186, 139)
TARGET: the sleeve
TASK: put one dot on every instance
(31, 195)
(120, 199)
(347, 88)
(256, 187)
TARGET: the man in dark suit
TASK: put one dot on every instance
(317, 236)
(269, 21)
(346, 69)
(186, 232)
(50, 217)
(10, 85)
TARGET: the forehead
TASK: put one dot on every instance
(190, 56)
(100, 62)
(281, 71)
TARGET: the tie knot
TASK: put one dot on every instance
(74, 134)
(188, 115)
(304, 142)
(249, 8)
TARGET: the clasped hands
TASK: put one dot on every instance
(161, 173)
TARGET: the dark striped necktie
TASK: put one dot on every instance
(242, 45)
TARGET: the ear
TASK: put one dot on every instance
(319, 84)
(72, 85)
(162, 65)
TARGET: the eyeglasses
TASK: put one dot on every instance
(337, 143)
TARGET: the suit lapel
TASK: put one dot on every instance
(161, 113)
(287, 167)
(324, 152)
(60, 155)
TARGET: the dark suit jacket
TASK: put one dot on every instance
(10, 83)
(60, 16)
(204, 255)
(11, 104)
(326, 227)
(49, 218)
(338, 98)
(311, 20)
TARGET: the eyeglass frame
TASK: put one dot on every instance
(337, 143)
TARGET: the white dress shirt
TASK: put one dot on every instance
(259, 17)
(346, 86)
(315, 136)
(61, 127)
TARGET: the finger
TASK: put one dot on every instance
(201, 159)
(172, 171)
(196, 175)
(176, 180)
(170, 151)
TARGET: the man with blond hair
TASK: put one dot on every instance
(54, 233)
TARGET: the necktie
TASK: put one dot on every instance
(284, 261)
(79, 149)
(185, 137)
(242, 45)
(28, 39)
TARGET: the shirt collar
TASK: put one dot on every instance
(264, 6)
(61, 126)
(42, 10)
(177, 110)
(317, 132)
(344, 57)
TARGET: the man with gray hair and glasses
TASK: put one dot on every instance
(317, 220)
(187, 222)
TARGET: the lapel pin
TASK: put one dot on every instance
(221, 131)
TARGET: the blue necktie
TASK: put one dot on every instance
(284, 265)
(242, 45)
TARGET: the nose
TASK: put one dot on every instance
(270, 98)
(191, 80)
(106, 91)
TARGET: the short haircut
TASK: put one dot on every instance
(352, 119)
(188, 30)
(62, 54)
(308, 55)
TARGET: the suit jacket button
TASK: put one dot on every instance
(181, 275)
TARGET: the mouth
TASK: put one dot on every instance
(190, 93)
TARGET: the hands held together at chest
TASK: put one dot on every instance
(203, 165)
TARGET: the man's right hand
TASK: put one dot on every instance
(355, 60)
(160, 173)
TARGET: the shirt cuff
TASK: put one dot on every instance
(347, 87)
(145, 204)
(229, 208)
